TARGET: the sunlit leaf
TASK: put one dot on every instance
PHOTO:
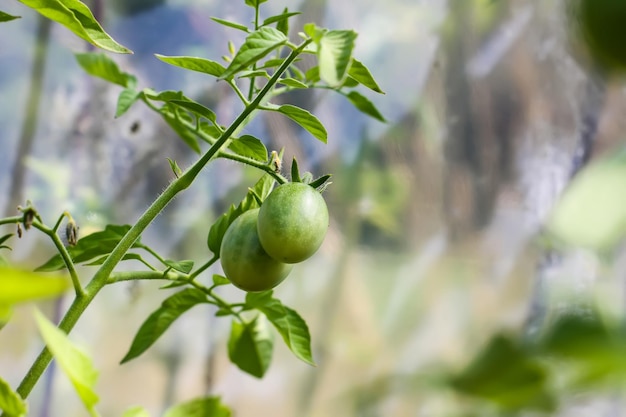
(77, 17)
(334, 55)
(250, 346)
(100, 65)
(5, 17)
(75, 363)
(364, 105)
(17, 286)
(257, 45)
(305, 119)
(219, 280)
(360, 73)
(292, 82)
(205, 66)
(161, 319)
(136, 412)
(199, 407)
(249, 146)
(10, 401)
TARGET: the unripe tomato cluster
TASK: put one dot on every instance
(260, 246)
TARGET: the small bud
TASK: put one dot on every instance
(19, 230)
(275, 161)
(231, 48)
(71, 232)
(29, 216)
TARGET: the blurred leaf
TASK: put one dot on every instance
(219, 280)
(5, 238)
(249, 146)
(312, 75)
(257, 45)
(230, 24)
(17, 286)
(334, 55)
(182, 266)
(161, 319)
(205, 66)
(254, 73)
(126, 99)
(592, 211)
(305, 119)
(89, 247)
(5, 314)
(126, 257)
(288, 322)
(100, 65)
(5, 17)
(200, 407)
(75, 364)
(506, 375)
(292, 82)
(10, 401)
(136, 412)
(360, 73)
(250, 346)
(262, 189)
(77, 17)
(254, 3)
(364, 105)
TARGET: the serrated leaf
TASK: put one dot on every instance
(250, 346)
(203, 65)
(291, 327)
(199, 407)
(161, 319)
(305, 119)
(77, 17)
(136, 412)
(100, 65)
(10, 401)
(18, 286)
(262, 189)
(76, 365)
(249, 146)
(126, 99)
(5, 17)
(361, 74)
(334, 55)
(292, 82)
(219, 280)
(257, 45)
(364, 105)
(230, 24)
(182, 266)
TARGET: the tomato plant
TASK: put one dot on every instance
(245, 262)
(293, 222)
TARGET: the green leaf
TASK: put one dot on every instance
(126, 257)
(75, 364)
(196, 108)
(127, 98)
(219, 280)
(254, 3)
(312, 75)
(136, 412)
(292, 82)
(257, 45)
(205, 66)
(305, 119)
(10, 401)
(334, 55)
(199, 407)
(289, 324)
(5, 238)
(89, 247)
(230, 24)
(255, 73)
(262, 189)
(250, 346)
(249, 146)
(295, 172)
(17, 286)
(360, 73)
(172, 118)
(161, 319)
(281, 20)
(175, 168)
(592, 211)
(182, 266)
(506, 375)
(77, 17)
(321, 181)
(100, 65)
(5, 17)
(364, 105)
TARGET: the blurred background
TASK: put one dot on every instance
(491, 109)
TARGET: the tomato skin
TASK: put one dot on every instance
(244, 261)
(292, 222)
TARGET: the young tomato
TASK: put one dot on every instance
(292, 222)
(245, 262)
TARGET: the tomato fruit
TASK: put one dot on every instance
(244, 261)
(292, 222)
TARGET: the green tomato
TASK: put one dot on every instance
(292, 222)
(245, 262)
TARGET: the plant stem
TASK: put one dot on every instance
(103, 274)
(203, 268)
